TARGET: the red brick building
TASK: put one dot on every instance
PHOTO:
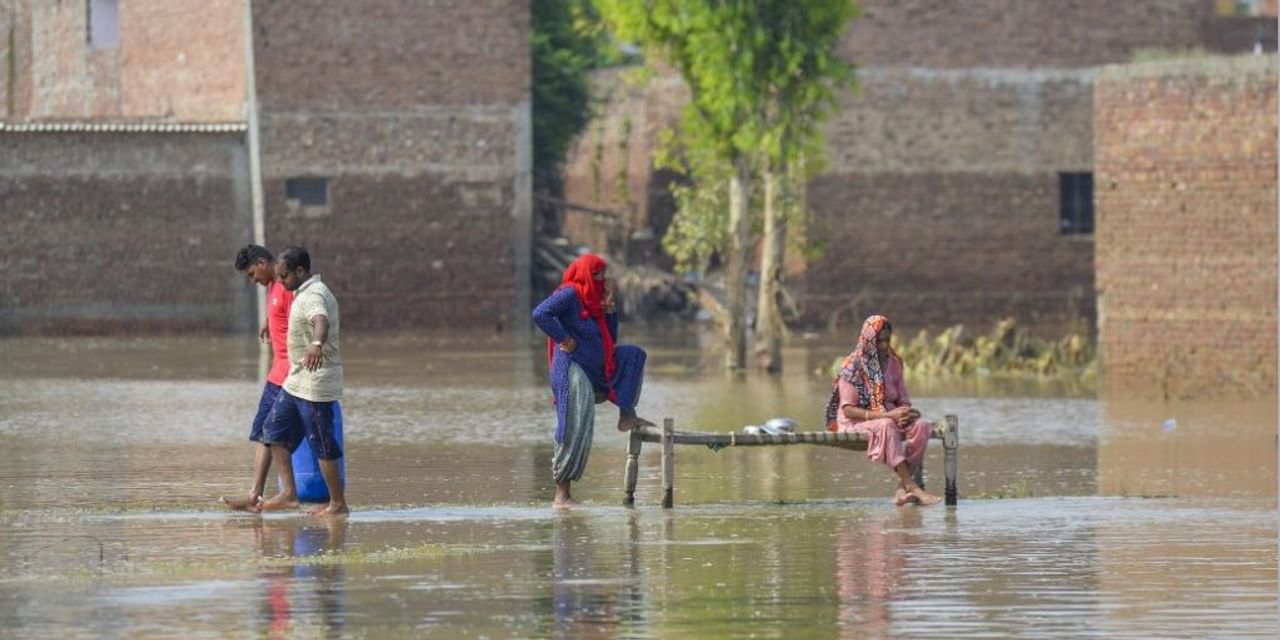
(959, 180)
(1186, 240)
(393, 140)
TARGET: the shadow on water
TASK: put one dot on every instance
(116, 450)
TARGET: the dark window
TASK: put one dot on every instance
(1075, 202)
(309, 192)
(103, 24)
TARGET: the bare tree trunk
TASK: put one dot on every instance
(735, 280)
(769, 325)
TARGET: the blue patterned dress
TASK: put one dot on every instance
(578, 379)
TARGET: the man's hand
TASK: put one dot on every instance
(313, 358)
(568, 345)
(264, 334)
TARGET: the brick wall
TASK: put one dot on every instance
(179, 60)
(1043, 33)
(122, 232)
(966, 113)
(8, 70)
(960, 164)
(1185, 156)
(935, 249)
(940, 201)
(416, 113)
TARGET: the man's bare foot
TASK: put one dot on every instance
(279, 502)
(251, 504)
(565, 503)
(904, 497)
(330, 511)
(627, 423)
(924, 497)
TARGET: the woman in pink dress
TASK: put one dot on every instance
(870, 397)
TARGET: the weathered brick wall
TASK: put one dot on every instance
(959, 164)
(934, 249)
(1185, 156)
(8, 61)
(940, 202)
(1043, 33)
(966, 114)
(416, 112)
(122, 232)
(179, 60)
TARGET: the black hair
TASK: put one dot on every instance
(251, 254)
(294, 257)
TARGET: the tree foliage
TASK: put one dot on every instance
(567, 41)
(762, 75)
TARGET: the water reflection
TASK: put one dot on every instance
(301, 590)
(129, 442)
(870, 570)
(592, 597)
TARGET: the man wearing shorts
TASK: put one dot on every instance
(304, 408)
(258, 265)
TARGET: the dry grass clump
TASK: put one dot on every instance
(1007, 350)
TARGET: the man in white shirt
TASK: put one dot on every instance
(314, 384)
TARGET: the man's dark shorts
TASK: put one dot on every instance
(265, 405)
(293, 419)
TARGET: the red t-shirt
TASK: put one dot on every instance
(279, 299)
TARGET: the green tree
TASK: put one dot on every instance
(709, 43)
(804, 76)
(761, 74)
(567, 41)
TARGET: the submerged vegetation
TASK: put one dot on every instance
(1008, 350)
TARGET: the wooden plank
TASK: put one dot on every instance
(632, 469)
(950, 445)
(668, 437)
(668, 463)
(735, 439)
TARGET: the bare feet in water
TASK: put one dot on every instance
(279, 502)
(330, 511)
(627, 423)
(251, 504)
(922, 497)
(566, 503)
(902, 497)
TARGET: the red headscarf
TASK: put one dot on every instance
(581, 275)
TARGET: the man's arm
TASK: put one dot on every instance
(315, 351)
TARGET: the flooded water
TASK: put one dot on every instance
(1077, 518)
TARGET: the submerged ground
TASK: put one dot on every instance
(1079, 517)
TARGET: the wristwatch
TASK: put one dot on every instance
(317, 343)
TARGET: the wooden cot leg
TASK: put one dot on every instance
(668, 463)
(632, 469)
(951, 442)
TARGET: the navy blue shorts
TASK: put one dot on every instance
(293, 419)
(265, 405)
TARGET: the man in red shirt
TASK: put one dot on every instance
(256, 263)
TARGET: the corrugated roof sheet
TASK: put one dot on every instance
(123, 127)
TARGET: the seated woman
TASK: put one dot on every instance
(870, 397)
(586, 367)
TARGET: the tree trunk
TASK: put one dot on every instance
(769, 326)
(735, 280)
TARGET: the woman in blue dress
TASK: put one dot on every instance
(586, 366)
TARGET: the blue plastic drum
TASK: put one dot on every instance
(306, 469)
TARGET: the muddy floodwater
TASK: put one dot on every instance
(1079, 517)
